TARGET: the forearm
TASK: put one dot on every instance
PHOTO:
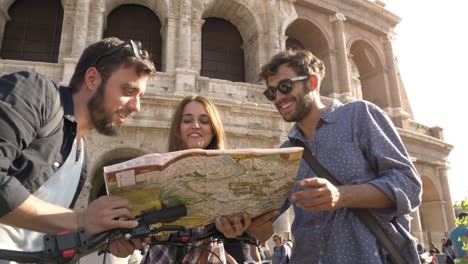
(254, 253)
(363, 196)
(38, 215)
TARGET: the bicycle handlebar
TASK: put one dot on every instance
(69, 247)
(66, 247)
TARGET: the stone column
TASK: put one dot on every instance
(343, 73)
(447, 197)
(4, 18)
(80, 33)
(185, 79)
(66, 36)
(168, 30)
(416, 227)
(80, 28)
(392, 73)
(96, 22)
(197, 25)
(281, 45)
(185, 34)
(270, 37)
(398, 114)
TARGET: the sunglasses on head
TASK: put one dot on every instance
(133, 46)
(284, 86)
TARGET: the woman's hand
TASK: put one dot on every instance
(233, 226)
(262, 226)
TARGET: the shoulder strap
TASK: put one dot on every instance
(54, 120)
(364, 215)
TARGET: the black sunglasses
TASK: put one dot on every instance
(134, 48)
(284, 86)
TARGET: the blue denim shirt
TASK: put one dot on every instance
(358, 144)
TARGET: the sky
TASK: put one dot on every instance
(431, 46)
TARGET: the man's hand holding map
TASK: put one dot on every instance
(209, 183)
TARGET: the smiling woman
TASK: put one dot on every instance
(195, 128)
(195, 124)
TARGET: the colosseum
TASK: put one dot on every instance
(215, 48)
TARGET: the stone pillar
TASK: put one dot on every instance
(96, 22)
(168, 30)
(197, 25)
(80, 33)
(281, 44)
(78, 42)
(398, 114)
(252, 58)
(447, 197)
(66, 36)
(80, 28)
(185, 77)
(4, 18)
(343, 73)
(185, 34)
(416, 227)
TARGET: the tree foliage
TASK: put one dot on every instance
(462, 207)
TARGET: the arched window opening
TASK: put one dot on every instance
(34, 31)
(370, 71)
(222, 54)
(138, 23)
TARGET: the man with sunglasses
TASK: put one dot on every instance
(359, 145)
(42, 157)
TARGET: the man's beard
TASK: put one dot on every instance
(101, 117)
(303, 108)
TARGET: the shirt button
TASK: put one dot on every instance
(56, 164)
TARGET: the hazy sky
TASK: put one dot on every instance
(431, 47)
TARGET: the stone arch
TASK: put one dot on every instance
(308, 34)
(160, 7)
(5, 4)
(133, 21)
(433, 222)
(240, 14)
(33, 31)
(371, 72)
(110, 157)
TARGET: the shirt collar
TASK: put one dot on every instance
(67, 103)
(327, 116)
(330, 115)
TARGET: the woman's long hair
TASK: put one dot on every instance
(175, 138)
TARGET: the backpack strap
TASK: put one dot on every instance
(54, 119)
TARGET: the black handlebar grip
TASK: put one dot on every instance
(165, 215)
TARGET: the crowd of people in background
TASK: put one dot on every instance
(452, 249)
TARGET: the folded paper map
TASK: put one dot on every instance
(210, 183)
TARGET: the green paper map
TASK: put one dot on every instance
(209, 183)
